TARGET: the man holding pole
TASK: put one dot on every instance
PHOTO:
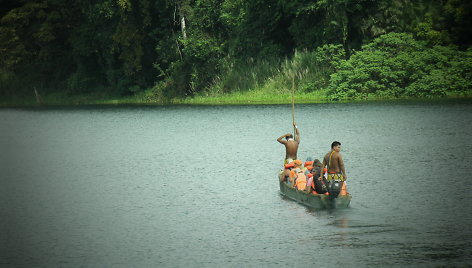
(291, 145)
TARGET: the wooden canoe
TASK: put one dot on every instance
(319, 201)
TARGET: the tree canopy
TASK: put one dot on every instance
(183, 46)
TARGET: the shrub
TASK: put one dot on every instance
(396, 65)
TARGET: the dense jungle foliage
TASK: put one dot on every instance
(168, 48)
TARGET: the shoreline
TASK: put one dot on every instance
(235, 98)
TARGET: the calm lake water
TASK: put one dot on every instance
(187, 186)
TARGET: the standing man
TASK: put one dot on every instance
(335, 163)
(291, 145)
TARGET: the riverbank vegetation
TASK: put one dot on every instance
(233, 52)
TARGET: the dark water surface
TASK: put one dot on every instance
(194, 186)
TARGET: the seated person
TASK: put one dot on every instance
(308, 165)
(317, 185)
(316, 170)
(298, 177)
(285, 173)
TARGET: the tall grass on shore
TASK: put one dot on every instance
(310, 71)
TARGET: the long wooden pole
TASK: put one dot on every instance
(293, 105)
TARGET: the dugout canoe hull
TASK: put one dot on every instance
(320, 201)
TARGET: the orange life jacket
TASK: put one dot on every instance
(291, 165)
(343, 190)
(301, 181)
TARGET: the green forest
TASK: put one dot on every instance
(190, 51)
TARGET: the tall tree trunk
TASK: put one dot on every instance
(182, 25)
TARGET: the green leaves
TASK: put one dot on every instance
(187, 46)
(396, 65)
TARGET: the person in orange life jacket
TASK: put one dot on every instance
(308, 165)
(292, 172)
(291, 145)
(298, 177)
(335, 164)
(285, 173)
(309, 177)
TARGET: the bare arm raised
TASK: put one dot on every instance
(280, 139)
(297, 133)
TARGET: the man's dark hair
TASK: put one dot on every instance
(334, 144)
(317, 163)
(288, 136)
